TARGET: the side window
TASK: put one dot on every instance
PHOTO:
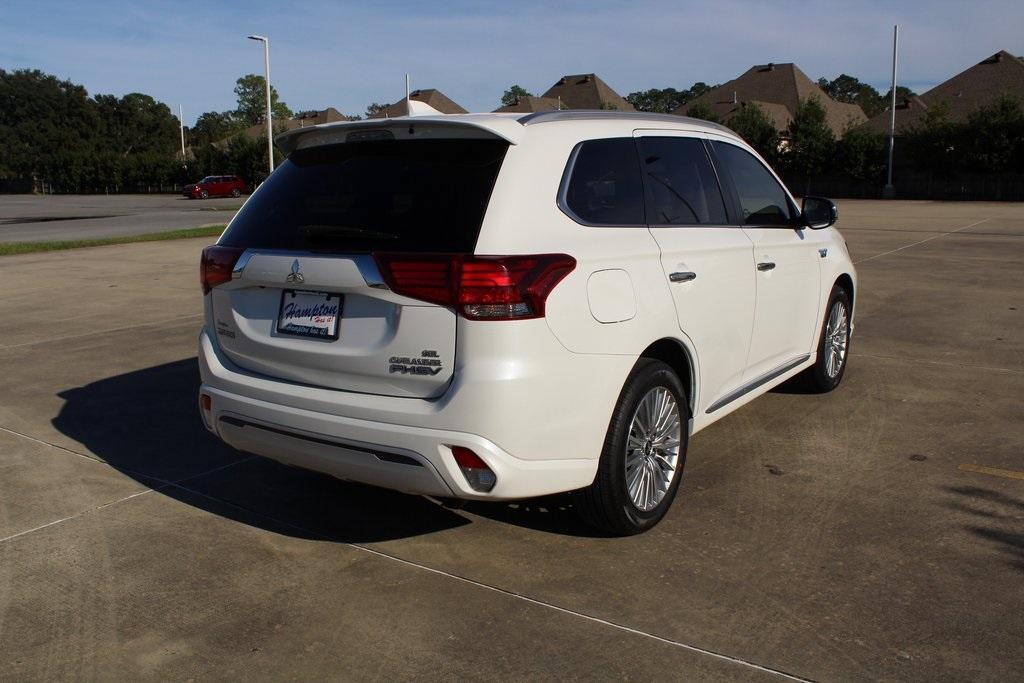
(681, 187)
(605, 186)
(762, 199)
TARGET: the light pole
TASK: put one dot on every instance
(890, 192)
(266, 76)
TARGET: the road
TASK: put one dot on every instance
(850, 536)
(34, 218)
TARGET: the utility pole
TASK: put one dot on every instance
(408, 105)
(181, 125)
(270, 128)
(890, 191)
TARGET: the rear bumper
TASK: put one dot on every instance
(413, 459)
(410, 459)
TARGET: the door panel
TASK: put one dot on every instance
(716, 307)
(708, 264)
(787, 296)
(785, 264)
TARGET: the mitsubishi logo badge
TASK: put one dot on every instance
(296, 274)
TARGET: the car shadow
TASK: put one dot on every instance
(146, 425)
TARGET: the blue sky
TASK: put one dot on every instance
(348, 54)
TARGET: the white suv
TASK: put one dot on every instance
(497, 306)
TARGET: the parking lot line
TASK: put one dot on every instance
(914, 244)
(512, 594)
(994, 471)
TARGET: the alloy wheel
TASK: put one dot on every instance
(652, 448)
(835, 339)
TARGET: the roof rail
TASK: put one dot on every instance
(597, 114)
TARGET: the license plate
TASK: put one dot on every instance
(309, 314)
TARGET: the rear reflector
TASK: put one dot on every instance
(477, 473)
(478, 287)
(216, 264)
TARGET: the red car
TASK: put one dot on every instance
(215, 186)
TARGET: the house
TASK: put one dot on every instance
(300, 120)
(778, 89)
(431, 97)
(531, 103)
(978, 86)
(586, 91)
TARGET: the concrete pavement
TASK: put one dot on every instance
(34, 218)
(825, 537)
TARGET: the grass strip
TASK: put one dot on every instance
(13, 248)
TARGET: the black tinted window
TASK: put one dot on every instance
(605, 187)
(681, 186)
(762, 199)
(424, 195)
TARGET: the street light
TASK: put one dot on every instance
(270, 131)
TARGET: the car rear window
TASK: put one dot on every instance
(385, 195)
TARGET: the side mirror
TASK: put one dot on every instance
(819, 213)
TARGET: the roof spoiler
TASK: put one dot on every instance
(332, 133)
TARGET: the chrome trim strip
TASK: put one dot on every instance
(241, 263)
(365, 263)
(755, 383)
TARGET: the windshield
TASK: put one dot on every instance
(418, 195)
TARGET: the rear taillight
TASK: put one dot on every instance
(478, 287)
(479, 476)
(216, 265)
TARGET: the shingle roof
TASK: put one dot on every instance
(980, 85)
(435, 98)
(303, 119)
(778, 89)
(587, 91)
(532, 103)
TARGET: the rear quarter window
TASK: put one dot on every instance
(409, 195)
(604, 185)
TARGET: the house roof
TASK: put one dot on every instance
(430, 96)
(587, 91)
(778, 89)
(978, 86)
(300, 120)
(531, 103)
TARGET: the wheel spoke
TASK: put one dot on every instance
(652, 448)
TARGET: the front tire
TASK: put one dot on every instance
(204, 194)
(833, 346)
(644, 452)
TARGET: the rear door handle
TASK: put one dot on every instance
(682, 276)
(766, 265)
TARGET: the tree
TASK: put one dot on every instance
(993, 137)
(845, 88)
(861, 154)
(934, 142)
(754, 126)
(513, 95)
(212, 126)
(660, 100)
(252, 101)
(666, 100)
(374, 109)
(702, 110)
(811, 142)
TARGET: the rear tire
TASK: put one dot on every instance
(833, 346)
(644, 452)
(236, 193)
